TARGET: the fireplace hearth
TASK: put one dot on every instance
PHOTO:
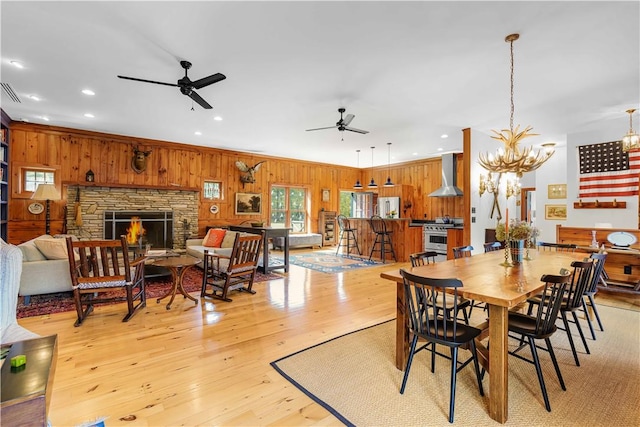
(141, 228)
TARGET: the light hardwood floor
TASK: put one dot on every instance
(208, 364)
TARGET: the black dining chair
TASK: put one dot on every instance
(429, 257)
(420, 293)
(540, 326)
(423, 258)
(462, 251)
(571, 301)
(588, 300)
(557, 247)
(492, 246)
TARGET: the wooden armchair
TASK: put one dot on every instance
(236, 272)
(100, 266)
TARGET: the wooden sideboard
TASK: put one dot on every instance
(622, 265)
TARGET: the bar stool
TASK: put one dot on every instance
(347, 233)
(383, 238)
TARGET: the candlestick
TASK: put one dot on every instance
(506, 225)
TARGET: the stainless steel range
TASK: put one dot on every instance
(435, 235)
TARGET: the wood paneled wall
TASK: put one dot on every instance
(174, 166)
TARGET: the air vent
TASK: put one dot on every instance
(10, 92)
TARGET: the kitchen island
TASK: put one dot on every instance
(406, 239)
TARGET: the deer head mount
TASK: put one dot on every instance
(139, 160)
(249, 172)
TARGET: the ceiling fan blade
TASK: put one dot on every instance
(347, 120)
(356, 130)
(206, 81)
(330, 127)
(204, 104)
(148, 81)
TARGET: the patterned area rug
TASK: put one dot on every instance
(329, 262)
(63, 301)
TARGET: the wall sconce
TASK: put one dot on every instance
(513, 187)
(487, 185)
(89, 176)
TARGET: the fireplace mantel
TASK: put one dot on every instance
(133, 186)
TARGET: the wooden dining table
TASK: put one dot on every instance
(503, 288)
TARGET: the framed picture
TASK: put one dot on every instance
(555, 212)
(248, 203)
(557, 191)
(326, 194)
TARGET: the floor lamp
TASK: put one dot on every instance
(46, 192)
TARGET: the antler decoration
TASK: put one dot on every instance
(249, 175)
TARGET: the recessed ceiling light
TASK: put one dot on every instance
(88, 92)
(89, 115)
(414, 154)
(444, 135)
(34, 97)
(440, 149)
(17, 64)
(45, 118)
(217, 118)
(198, 133)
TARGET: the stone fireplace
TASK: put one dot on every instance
(168, 216)
(141, 228)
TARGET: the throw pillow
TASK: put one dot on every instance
(229, 239)
(214, 238)
(52, 248)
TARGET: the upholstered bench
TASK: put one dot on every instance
(299, 240)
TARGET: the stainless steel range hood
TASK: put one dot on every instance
(449, 188)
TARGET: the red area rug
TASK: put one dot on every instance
(63, 301)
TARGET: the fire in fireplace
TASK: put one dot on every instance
(155, 228)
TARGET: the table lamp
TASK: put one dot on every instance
(46, 192)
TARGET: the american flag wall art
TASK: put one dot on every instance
(607, 171)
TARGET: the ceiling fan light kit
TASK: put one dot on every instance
(186, 86)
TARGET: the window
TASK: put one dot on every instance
(35, 177)
(288, 208)
(212, 190)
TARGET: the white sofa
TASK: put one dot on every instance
(195, 248)
(44, 272)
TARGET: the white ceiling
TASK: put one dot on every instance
(409, 71)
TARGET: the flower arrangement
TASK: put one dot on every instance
(518, 230)
(392, 214)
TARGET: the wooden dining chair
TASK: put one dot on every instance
(540, 326)
(438, 328)
(100, 267)
(236, 272)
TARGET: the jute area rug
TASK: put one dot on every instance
(354, 377)
(330, 263)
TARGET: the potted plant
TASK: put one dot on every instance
(517, 235)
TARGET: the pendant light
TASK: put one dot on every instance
(372, 183)
(358, 185)
(631, 140)
(388, 184)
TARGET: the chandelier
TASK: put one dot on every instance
(511, 158)
(631, 140)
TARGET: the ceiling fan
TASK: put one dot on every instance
(187, 87)
(343, 124)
